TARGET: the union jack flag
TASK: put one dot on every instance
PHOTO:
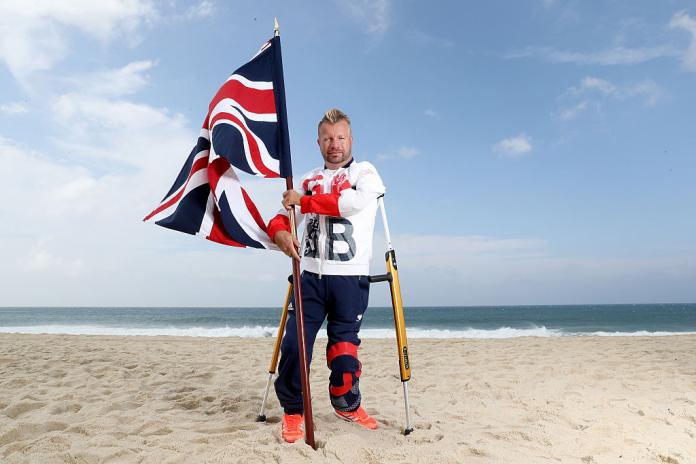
(246, 129)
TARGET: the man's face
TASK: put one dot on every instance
(335, 143)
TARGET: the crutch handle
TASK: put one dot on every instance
(380, 278)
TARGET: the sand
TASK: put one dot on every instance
(94, 399)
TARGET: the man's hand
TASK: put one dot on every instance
(287, 244)
(291, 197)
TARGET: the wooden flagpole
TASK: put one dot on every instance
(299, 318)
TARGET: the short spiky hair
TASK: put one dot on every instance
(333, 116)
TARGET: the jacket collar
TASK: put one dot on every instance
(344, 166)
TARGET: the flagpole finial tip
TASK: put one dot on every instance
(276, 27)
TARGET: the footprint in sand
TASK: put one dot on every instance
(159, 431)
(668, 459)
(185, 389)
(510, 436)
(66, 407)
(189, 404)
(24, 431)
(57, 374)
(18, 409)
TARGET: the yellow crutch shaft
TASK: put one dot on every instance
(399, 322)
(281, 331)
(276, 352)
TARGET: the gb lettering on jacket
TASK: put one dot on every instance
(339, 244)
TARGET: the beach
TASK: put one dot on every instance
(154, 399)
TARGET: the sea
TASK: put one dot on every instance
(378, 322)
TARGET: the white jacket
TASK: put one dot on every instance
(338, 208)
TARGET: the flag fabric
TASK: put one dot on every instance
(245, 129)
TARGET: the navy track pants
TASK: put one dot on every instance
(342, 301)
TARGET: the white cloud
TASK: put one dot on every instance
(97, 127)
(613, 56)
(484, 270)
(77, 232)
(428, 40)
(620, 55)
(372, 15)
(567, 114)
(33, 37)
(203, 9)
(400, 153)
(594, 83)
(13, 108)
(594, 92)
(110, 165)
(514, 147)
(650, 92)
(431, 113)
(115, 82)
(82, 239)
(86, 212)
(419, 245)
(432, 265)
(41, 259)
(682, 20)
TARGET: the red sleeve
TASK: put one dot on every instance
(278, 223)
(320, 203)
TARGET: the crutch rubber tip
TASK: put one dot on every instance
(261, 418)
(408, 431)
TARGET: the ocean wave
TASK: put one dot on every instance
(502, 332)
(639, 333)
(267, 331)
(246, 331)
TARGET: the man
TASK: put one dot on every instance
(339, 203)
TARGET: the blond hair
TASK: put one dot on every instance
(333, 116)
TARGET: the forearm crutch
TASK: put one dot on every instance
(392, 276)
(274, 361)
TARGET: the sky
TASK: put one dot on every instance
(534, 152)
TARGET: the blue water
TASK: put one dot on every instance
(421, 322)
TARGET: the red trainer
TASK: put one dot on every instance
(293, 428)
(359, 416)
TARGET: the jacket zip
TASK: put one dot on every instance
(322, 245)
(322, 227)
